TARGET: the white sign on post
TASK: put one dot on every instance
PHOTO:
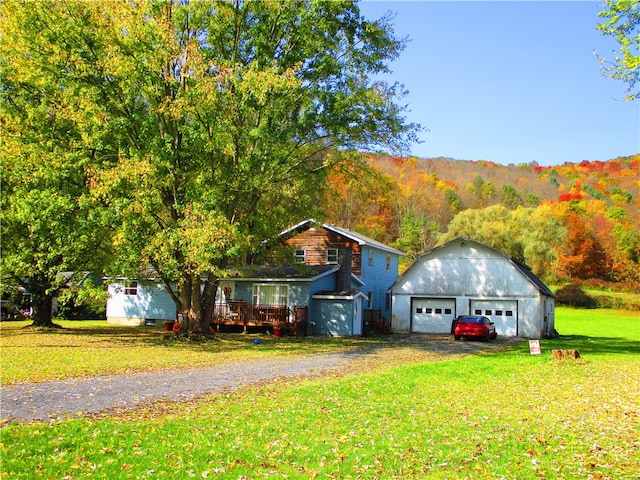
(534, 347)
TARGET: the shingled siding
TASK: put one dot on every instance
(316, 241)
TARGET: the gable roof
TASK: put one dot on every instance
(362, 240)
(521, 267)
(525, 270)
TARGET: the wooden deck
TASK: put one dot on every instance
(292, 321)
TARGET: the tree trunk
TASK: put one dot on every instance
(195, 307)
(185, 301)
(43, 311)
(208, 302)
(197, 303)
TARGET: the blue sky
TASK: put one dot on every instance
(510, 81)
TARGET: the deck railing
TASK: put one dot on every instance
(246, 315)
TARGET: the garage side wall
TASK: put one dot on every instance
(401, 312)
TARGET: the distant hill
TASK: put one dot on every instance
(601, 180)
(411, 202)
(462, 184)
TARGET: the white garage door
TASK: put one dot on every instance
(504, 313)
(432, 315)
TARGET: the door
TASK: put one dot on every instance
(504, 313)
(432, 315)
(357, 316)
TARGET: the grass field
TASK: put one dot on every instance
(506, 414)
(85, 348)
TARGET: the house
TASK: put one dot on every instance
(323, 299)
(332, 277)
(373, 262)
(464, 277)
(259, 296)
(356, 274)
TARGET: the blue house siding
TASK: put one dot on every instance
(377, 279)
(298, 290)
(243, 291)
(322, 284)
(150, 302)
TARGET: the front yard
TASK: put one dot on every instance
(500, 414)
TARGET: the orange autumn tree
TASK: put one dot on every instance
(582, 257)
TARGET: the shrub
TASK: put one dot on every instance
(626, 302)
(574, 296)
(70, 307)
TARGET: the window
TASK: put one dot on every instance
(447, 311)
(428, 310)
(300, 256)
(418, 310)
(270, 294)
(332, 255)
(509, 313)
(499, 312)
(438, 311)
(131, 288)
(477, 312)
(388, 263)
(487, 312)
(371, 258)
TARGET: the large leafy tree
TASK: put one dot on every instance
(622, 21)
(204, 127)
(50, 234)
(530, 235)
(53, 231)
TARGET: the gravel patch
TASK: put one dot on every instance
(60, 399)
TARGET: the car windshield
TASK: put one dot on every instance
(472, 319)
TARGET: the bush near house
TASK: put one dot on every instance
(70, 309)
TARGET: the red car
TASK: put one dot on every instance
(474, 326)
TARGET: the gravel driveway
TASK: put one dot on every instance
(59, 399)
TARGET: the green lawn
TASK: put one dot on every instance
(506, 414)
(600, 322)
(85, 348)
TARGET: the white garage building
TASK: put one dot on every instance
(465, 277)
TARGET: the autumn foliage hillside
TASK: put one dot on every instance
(576, 221)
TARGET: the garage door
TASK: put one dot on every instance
(504, 313)
(432, 315)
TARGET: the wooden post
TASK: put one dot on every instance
(563, 354)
